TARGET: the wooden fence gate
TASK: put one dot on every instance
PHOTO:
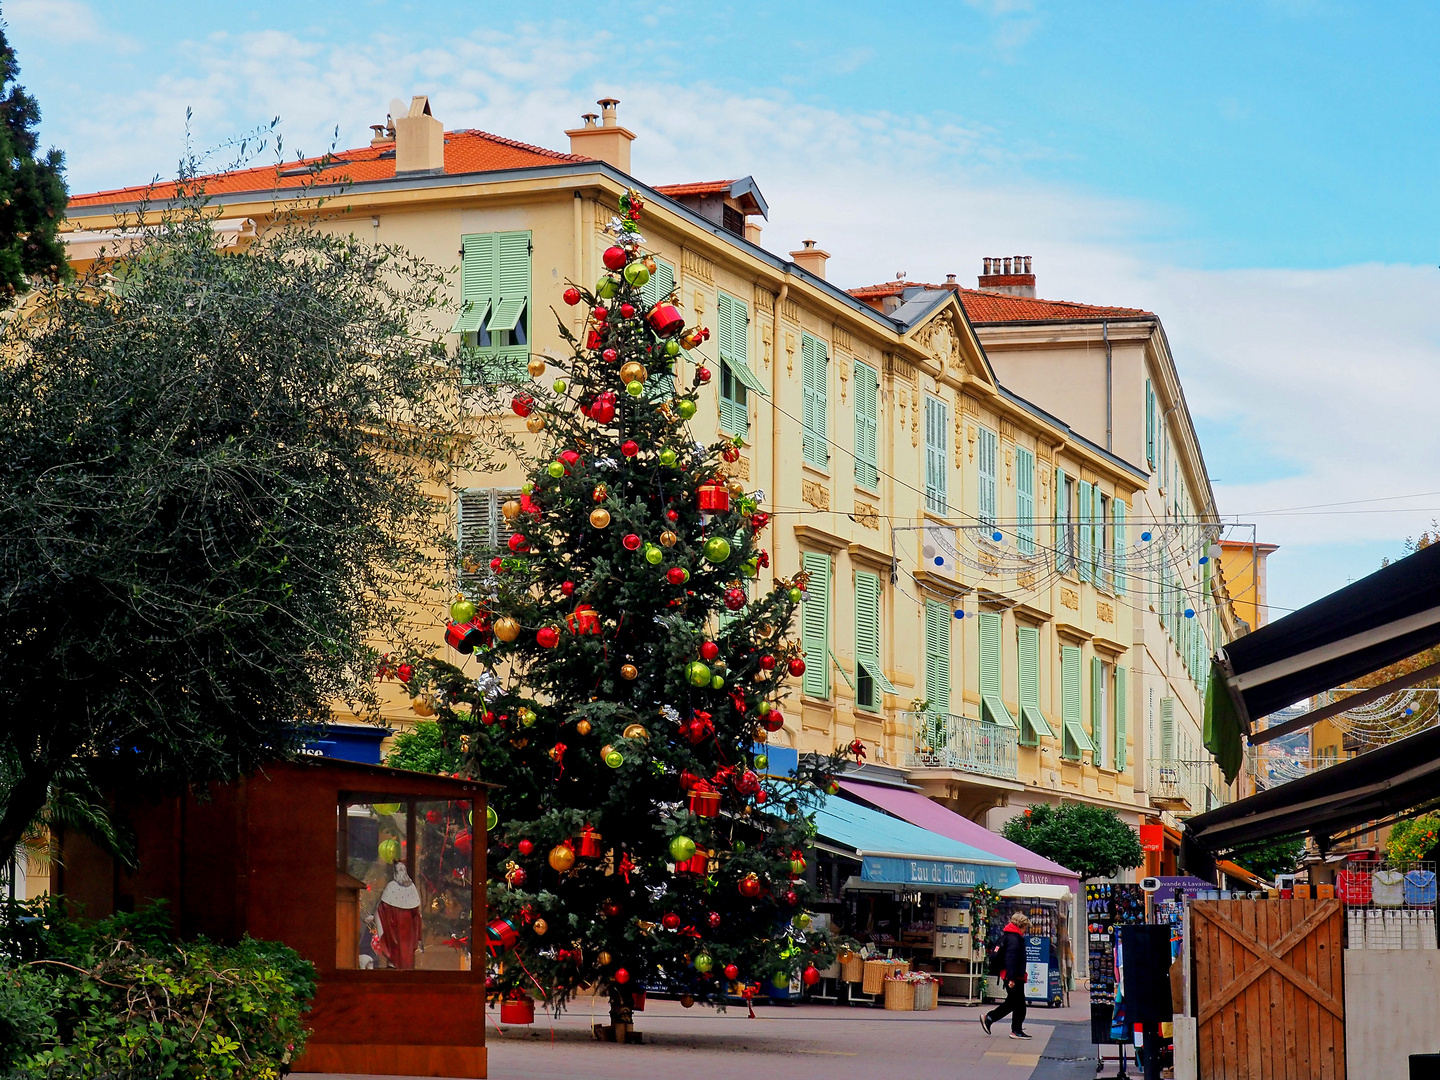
(1268, 989)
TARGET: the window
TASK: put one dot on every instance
(870, 682)
(1149, 424)
(1066, 539)
(494, 322)
(1167, 728)
(480, 526)
(1104, 540)
(867, 426)
(1075, 741)
(1118, 512)
(815, 626)
(1024, 501)
(936, 441)
(1027, 654)
(985, 496)
(937, 655)
(815, 373)
(1100, 711)
(736, 378)
(992, 705)
(1121, 719)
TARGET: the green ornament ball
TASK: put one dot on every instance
(635, 388)
(687, 409)
(682, 849)
(527, 487)
(492, 819)
(803, 920)
(717, 682)
(703, 963)
(462, 611)
(796, 596)
(739, 847)
(558, 386)
(390, 851)
(654, 554)
(555, 469)
(607, 287)
(765, 708)
(672, 348)
(668, 457)
(717, 549)
(762, 761)
(697, 673)
(614, 759)
(636, 274)
(780, 980)
(385, 807)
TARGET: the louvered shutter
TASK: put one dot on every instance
(867, 637)
(986, 466)
(734, 412)
(1122, 717)
(660, 285)
(475, 521)
(1062, 532)
(1087, 491)
(1167, 728)
(1149, 424)
(477, 281)
(867, 426)
(1075, 741)
(510, 316)
(936, 423)
(814, 373)
(1024, 501)
(1097, 709)
(937, 655)
(815, 626)
(992, 704)
(1027, 655)
(1121, 541)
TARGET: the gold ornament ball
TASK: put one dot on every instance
(649, 262)
(599, 517)
(423, 705)
(632, 371)
(540, 926)
(536, 368)
(628, 671)
(635, 731)
(511, 509)
(507, 628)
(760, 735)
(582, 727)
(562, 858)
(603, 959)
(535, 424)
(686, 1001)
(668, 538)
(736, 488)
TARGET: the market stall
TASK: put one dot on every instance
(1049, 948)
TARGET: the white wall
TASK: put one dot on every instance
(1392, 1010)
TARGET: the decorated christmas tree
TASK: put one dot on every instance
(629, 683)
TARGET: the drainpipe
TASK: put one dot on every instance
(1109, 389)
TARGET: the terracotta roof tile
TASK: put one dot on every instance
(703, 187)
(984, 306)
(466, 151)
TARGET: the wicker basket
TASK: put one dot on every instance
(875, 972)
(853, 970)
(927, 995)
(900, 995)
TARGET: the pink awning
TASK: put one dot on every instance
(915, 808)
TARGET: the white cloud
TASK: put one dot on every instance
(67, 22)
(1332, 375)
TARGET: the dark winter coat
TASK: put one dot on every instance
(1014, 940)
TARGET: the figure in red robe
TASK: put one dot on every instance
(397, 920)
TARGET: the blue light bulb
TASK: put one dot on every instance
(959, 613)
(1189, 613)
(939, 560)
(996, 536)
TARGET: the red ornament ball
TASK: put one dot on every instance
(614, 258)
(767, 662)
(627, 311)
(571, 296)
(714, 920)
(676, 575)
(629, 448)
(791, 898)
(631, 542)
(797, 666)
(610, 909)
(810, 976)
(567, 588)
(404, 671)
(610, 356)
(732, 972)
(497, 564)
(622, 976)
(547, 637)
(703, 374)
(489, 717)
(432, 816)
(709, 650)
(730, 453)
(750, 886)
(570, 458)
(671, 921)
(518, 542)
(522, 404)
(672, 515)
(734, 599)
(773, 720)
(525, 847)
(600, 313)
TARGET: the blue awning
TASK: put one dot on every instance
(350, 742)
(895, 852)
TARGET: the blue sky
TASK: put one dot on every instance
(1260, 174)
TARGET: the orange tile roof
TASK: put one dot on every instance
(466, 151)
(704, 187)
(984, 306)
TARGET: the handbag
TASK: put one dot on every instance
(1388, 888)
(1420, 888)
(1353, 887)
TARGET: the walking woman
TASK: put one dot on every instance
(1012, 977)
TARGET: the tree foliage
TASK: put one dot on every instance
(423, 748)
(217, 480)
(1090, 840)
(1413, 839)
(32, 190)
(1279, 856)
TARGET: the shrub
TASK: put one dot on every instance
(117, 998)
(1411, 841)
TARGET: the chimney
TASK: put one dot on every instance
(810, 258)
(419, 140)
(752, 232)
(606, 141)
(1010, 275)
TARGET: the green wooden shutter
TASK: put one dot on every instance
(936, 473)
(815, 374)
(1024, 501)
(867, 426)
(867, 638)
(985, 497)
(1075, 741)
(734, 409)
(937, 655)
(1149, 424)
(1087, 491)
(1167, 728)
(1097, 708)
(992, 704)
(1027, 654)
(1122, 716)
(660, 285)
(1062, 535)
(477, 281)
(1120, 544)
(815, 626)
(735, 344)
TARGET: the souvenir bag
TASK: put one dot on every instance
(1353, 887)
(1420, 888)
(1388, 888)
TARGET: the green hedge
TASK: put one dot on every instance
(119, 998)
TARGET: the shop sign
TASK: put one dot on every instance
(888, 870)
(1152, 837)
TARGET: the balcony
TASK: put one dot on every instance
(1186, 787)
(946, 741)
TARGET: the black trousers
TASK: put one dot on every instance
(1014, 1007)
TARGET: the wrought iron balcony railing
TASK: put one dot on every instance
(939, 740)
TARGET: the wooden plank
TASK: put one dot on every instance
(1336, 951)
(1296, 1008)
(1282, 1023)
(1251, 1019)
(1230, 1018)
(1203, 938)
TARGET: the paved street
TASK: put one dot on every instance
(797, 1042)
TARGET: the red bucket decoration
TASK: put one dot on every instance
(583, 620)
(665, 319)
(637, 1001)
(517, 1011)
(465, 637)
(714, 498)
(589, 845)
(500, 935)
(698, 864)
(704, 803)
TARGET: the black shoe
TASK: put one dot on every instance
(1020, 1035)
(985, 1022)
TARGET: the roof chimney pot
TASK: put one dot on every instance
(606, 141)
(1012, 275)
(607, 110)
